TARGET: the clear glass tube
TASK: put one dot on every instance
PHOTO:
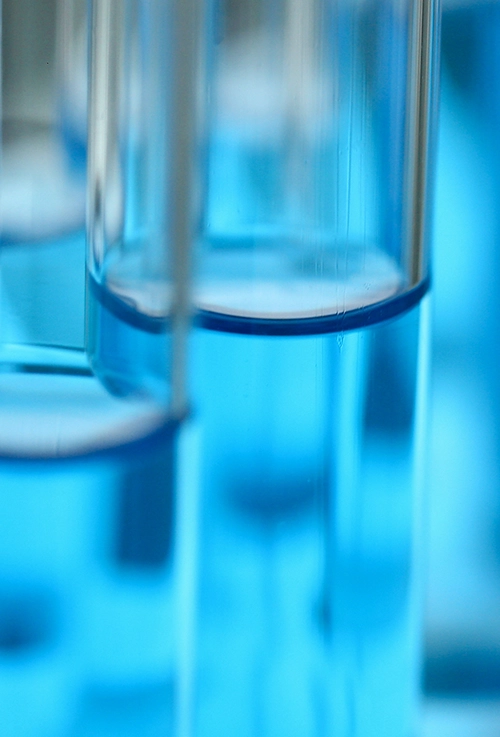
(91, 548)
(309, 365)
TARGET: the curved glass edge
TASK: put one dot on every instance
(166, 432)
(69, 362)
(126, 312)
(337, 323)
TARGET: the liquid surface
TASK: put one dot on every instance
(264, 279)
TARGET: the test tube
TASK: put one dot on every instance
(309, 365)
(90, 545)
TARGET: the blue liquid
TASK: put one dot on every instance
(87, 558)
(307, 618)
(42, 291)
(308, 602)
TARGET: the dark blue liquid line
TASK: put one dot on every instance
(333, 323)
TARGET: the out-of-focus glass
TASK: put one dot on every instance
(463, 630)
(91, 561)
(42, 190)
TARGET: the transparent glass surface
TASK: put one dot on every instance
(308, 357)
(317, 130)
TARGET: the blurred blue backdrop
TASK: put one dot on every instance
(463, 602)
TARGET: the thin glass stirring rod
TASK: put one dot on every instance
(145, 206)
(186, 21)
(187, 25)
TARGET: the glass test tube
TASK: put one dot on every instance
(89, 479)
(309, 365)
